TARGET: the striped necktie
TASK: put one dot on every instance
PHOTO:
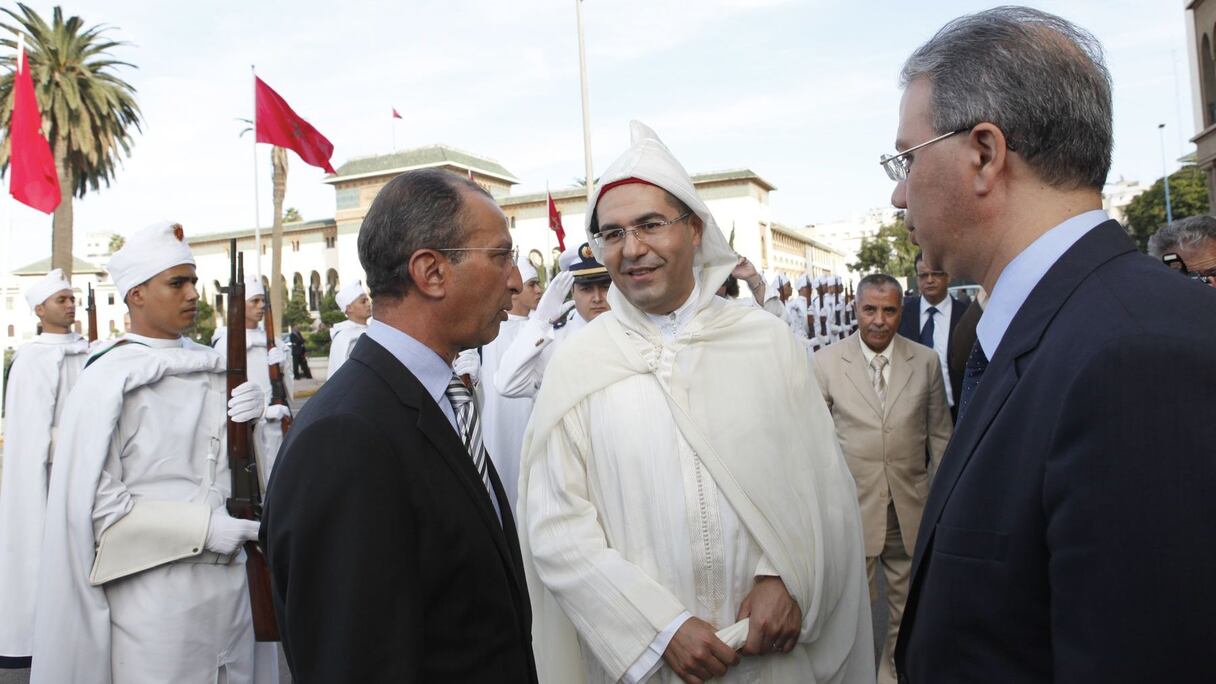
(470, 428)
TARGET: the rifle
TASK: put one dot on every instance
(246, 499)
(278, 389)
(839, 328)
(91, 309)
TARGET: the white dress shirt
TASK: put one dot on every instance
(869, 354)
(941, 335)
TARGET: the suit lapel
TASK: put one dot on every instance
(1095, 248)
(435, 427)
(856, 370)
(901, 369)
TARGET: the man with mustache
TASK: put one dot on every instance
(42, 374)
(674, 536)
(143, 579)
(888, 403)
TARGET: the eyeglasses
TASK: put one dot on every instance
(1176, 263)
(511, 254)
(643, 232)
(930, 274)
(897, 165)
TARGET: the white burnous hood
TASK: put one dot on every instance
(648, 159)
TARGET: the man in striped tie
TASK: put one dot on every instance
(390, 539)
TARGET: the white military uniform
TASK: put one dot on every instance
(129, 594)
(42, 374)
(267, 433)
(345, 334)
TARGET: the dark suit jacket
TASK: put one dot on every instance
(962, 339)
(1068, 535)
(388, 562)
(909, 327)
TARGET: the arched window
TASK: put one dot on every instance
(331, 281)
(12, 332)
(314, 292)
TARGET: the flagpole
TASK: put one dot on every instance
(548, 231)
(582, 81)
(393, 124)
(5, 276)
(257, 225)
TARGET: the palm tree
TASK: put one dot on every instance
(87, 110)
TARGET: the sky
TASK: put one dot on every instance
(803, 92)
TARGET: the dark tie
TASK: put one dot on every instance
(470, 428)
(976, 364)
(926, 333)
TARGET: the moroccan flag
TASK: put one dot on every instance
(395, 114)
(279, 125)
(555, 223)
(34, 181)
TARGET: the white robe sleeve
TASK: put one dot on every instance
(617, 609)
(522, 366)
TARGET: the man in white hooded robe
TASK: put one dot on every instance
(41, 376)
(661, 531)
(143, 576)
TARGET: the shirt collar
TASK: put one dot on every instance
(155, 342)
(943, 307)
(869, 354)
(430, 369)
(1024, 272)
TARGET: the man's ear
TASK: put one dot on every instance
(430, 272)
(698, 229)
(989, 154)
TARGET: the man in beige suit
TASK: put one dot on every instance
(888, 402)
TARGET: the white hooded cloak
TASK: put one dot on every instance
(598, 600)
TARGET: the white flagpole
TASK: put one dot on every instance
(257, 225)
(5, 261)
(549, 229)
(393, 123)
(582, 80)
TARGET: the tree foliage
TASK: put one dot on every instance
(1188, 197)
(204, 323)
(330, 313)
(88, 112)
(292, 215)
(888, 251)
(296, 311)
(116, 242)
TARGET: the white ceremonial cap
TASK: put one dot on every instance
(568, 258)
(526, 270)
(149, 251)
(254, 288)
(46, 286)
(801, 282)
(347, 295)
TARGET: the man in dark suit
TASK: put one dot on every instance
(1067, 534)
(299, 355)
(930, 318)
(392, 549)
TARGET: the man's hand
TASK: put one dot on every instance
(550, 305)
(744, 270)
(776, 619)
(696, 654)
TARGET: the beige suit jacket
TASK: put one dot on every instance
(885, 449)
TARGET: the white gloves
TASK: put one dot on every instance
(468, 363)
(276, 412)
(247, 403)
(274, 356)
(226, 533)
(550, 305)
